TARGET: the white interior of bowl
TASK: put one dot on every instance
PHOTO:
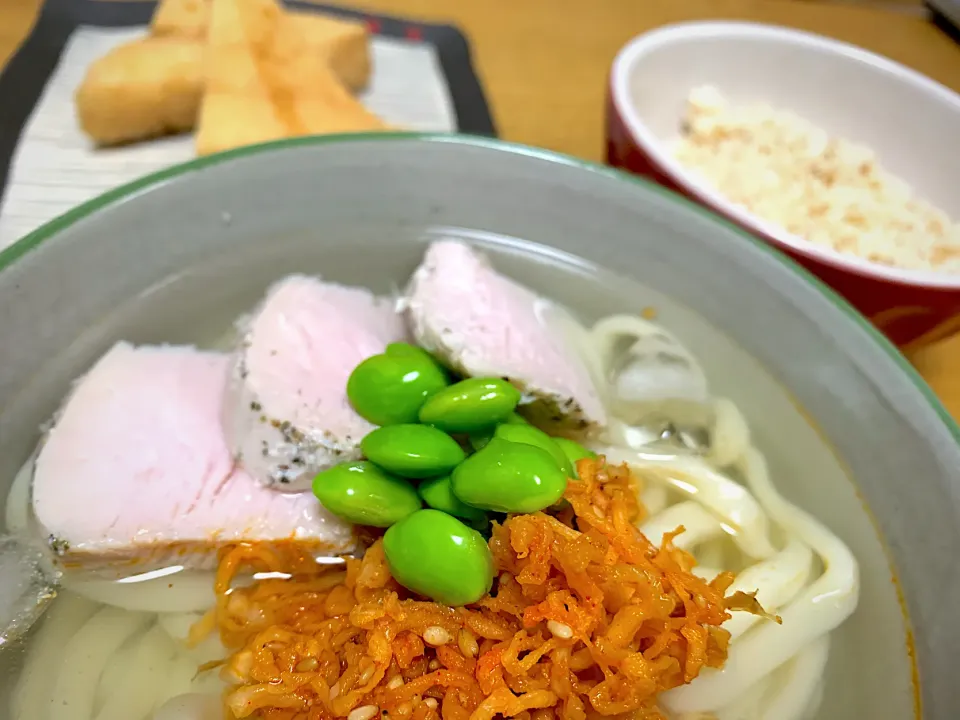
(909, 120)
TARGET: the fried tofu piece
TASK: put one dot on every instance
(262, 83)
(142, 89)
(343, 44)
(154, 86)
(181, 18)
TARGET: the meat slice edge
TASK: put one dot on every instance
(136, 470)
(482, 323)
(287, 414)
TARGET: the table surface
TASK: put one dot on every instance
(544, 63)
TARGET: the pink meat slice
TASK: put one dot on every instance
(482, 323)
(287, 414)
(137, 469)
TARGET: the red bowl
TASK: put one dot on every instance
(909, 120)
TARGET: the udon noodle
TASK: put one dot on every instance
(810, 578)
(116, 650)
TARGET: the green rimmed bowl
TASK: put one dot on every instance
(851, 432)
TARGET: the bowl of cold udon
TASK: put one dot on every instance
(445, 428)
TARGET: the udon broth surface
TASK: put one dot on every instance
(201, 306)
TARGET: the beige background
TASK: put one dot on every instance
(544, 65)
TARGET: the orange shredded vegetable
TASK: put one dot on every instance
(586, 618)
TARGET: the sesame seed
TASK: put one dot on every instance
(467, 643)
(564, 632)
(436, 636)
(364, 712)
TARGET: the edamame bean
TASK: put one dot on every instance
(574, 451)
(482, 437)
(533, 436)
(401, 349)
(470, 405)
(434, 554)
(509, 477)
(412, 451)
(362, 493)
(478, 440)
(438, 494)
(390, 388)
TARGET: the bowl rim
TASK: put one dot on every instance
(129, 191)
(620, 75)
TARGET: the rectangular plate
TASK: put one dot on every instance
(423, 79)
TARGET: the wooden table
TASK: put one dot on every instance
(544, 65)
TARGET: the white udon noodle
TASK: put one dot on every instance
(114, 651)
(772, 672)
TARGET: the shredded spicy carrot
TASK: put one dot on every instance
(586, 618)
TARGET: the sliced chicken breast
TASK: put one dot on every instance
(136, 470)
(287, 415)
(483, 324)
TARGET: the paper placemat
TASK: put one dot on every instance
(53, 166)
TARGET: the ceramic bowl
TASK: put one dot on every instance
(850, 430)
(908, 119)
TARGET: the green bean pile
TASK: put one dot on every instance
(458, 447)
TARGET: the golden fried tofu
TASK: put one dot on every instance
(181, 18)
(142, 89)
(154, 86)
(308, 37)
(344, 44)
(263, 84)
